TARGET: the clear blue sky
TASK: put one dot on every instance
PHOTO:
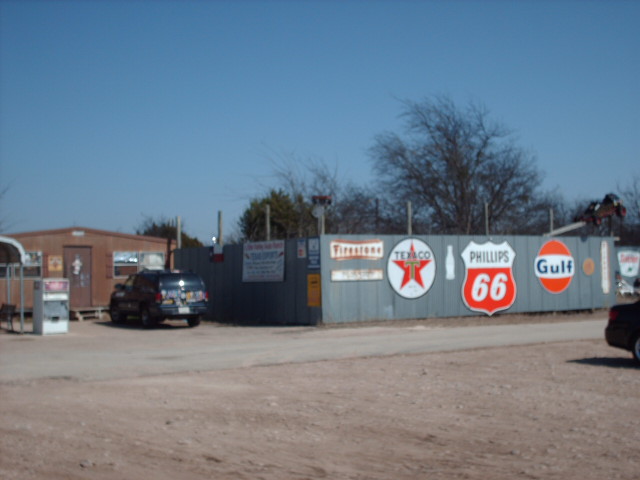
(111, 111)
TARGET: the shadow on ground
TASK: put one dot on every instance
(136, 325)
(610, 362)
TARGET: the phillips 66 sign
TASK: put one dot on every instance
(488, 285)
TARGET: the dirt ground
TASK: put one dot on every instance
(549, 411)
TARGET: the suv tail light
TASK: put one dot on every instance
(158, 297)
(613, 315)
(206, 295)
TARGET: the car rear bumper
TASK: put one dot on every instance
(175, 311)
(617, 336)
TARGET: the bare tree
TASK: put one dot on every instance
(455, 162)
(300, 179)
(630, 194)
(164, 227)
(631, 197)
(354, 208)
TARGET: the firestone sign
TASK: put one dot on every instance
(488, 285)
(356, 250)
(411, 268)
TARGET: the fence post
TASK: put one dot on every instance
(267, 221)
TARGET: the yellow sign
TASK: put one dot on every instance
(55, 263)
(314, 294)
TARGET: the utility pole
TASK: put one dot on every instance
(320, 203)
(486, 218)
(178, 232)
(267, 221)
(220, 227)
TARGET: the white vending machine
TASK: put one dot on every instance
(51, 306)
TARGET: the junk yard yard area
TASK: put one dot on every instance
(115, 402)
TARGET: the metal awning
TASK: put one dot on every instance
(12, 253)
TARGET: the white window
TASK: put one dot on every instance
(32, 267)
(127, 263)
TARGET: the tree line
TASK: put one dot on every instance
(460, 172)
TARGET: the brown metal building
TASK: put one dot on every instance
(93, 261)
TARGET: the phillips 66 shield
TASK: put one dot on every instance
(488, 285)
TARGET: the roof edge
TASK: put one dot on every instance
(84, 229)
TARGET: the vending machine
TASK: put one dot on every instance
(51, 306)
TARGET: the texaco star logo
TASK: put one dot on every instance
(411, 268)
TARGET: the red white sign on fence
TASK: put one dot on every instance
(488, 285)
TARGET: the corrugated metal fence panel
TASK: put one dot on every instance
(232, 300)
(362, 290)
(349, 301)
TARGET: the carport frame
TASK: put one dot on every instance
(12, 253)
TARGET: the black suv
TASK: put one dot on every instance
(156, 295)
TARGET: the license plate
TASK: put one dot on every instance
(184, 310)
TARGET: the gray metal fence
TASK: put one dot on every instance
(232, 300)
(365, 277)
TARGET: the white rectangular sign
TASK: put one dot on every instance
(263, 261)
(356, 275)
(604, 263)
(356, 249)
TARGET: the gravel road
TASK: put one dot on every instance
(531, 398)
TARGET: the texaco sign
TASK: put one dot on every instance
(488, 285)
(411, 268)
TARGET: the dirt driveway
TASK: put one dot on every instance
(560, 410)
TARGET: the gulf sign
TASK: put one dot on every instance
(554, 266)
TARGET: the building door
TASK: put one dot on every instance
(77, 268)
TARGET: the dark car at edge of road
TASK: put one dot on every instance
(623, 329)
(156, 295)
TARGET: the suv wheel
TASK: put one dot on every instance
(193, 322)
(115, 314)
(635, 348)
(145, 317)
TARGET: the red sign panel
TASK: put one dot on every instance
(488, 285)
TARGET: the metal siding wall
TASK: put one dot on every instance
(231, 300)
(376, 300)
(582, 290)
(269, 303)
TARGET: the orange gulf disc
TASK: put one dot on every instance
(554, 266)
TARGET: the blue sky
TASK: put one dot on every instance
(113, 111)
